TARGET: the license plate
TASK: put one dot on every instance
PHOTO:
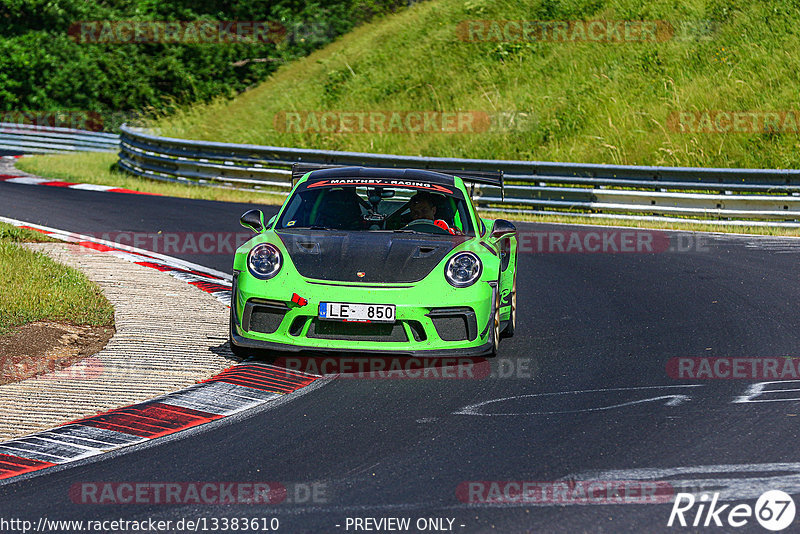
(363, 313)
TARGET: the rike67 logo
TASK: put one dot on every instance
(774, 510)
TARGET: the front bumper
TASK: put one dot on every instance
(249, 343)
(296, 328)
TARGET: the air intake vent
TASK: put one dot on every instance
(454, 324)
(263, 316)
(357, 331)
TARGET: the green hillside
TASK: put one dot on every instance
(51, 64)
(561, 100)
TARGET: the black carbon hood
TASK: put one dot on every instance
(380, 256)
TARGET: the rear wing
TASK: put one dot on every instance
(494, 178)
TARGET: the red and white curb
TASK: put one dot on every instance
(33, 180)
(209, 280)
(238, 388)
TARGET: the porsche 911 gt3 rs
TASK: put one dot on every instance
(376, 260)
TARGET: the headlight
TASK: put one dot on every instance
(463, 269)
(264, 261)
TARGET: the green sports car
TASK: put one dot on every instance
(369, 260)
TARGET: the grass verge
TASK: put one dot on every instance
(36, 288)
(12, 234)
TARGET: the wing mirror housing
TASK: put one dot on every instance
(502, 228)
(254, 220)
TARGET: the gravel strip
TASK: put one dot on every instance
(170, 335)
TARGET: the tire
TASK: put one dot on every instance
(508, 331)
(495, 328)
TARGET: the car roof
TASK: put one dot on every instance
(392, 174)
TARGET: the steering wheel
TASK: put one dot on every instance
(426, 226)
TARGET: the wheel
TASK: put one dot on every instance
(495, 332)
(511, 326)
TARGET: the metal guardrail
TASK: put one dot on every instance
(31, 139)
(769, 196)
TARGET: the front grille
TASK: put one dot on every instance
(357, 331)
(454, 324)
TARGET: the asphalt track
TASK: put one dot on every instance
(401, 448)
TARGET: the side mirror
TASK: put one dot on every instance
(502, 228)
(254, 220)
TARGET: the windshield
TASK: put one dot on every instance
(380, 208)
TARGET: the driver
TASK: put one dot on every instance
(422, 206)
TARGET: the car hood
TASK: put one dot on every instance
(377, 256)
